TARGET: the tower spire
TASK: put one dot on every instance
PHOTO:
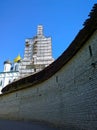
(40, 30)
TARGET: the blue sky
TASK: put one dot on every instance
(62, 20)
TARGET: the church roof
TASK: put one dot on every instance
(90, 26)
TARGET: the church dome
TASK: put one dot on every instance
(7, 62)
(17, 59)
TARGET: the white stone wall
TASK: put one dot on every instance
(7, 77)
(68, 98)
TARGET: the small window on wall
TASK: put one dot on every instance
(9, 81)
(90, 51)
(34, 69)
(1, 83)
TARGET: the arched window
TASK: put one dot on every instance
(16, 67)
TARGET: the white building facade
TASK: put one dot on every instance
(37, 56)
(8, 75)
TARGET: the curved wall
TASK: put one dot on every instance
(67, 98)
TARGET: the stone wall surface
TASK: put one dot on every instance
(68, 98)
